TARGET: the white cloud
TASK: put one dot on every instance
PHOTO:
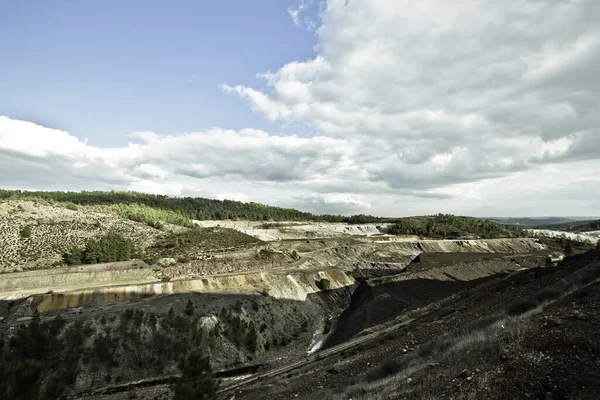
(478, 106)
(300, 8)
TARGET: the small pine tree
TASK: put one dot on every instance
(189, 308)
(197, 381)
(252, 338)
(568, 249)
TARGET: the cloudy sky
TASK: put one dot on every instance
(386, 107)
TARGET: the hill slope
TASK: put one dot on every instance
(35, 235)
(574, 226)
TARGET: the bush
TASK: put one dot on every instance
(189, 308)
(387, 368)
(521, 306)
(25, 231)
(324, 284)
(547, 295)
(71, 206)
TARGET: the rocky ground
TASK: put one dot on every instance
(530, 334)
(420, 324)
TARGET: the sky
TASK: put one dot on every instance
(384, 107)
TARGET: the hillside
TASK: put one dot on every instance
(187, 207)
(532, 222)
(35, 235)
(574, 226)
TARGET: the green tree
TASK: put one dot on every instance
(252, 338)
(74, 257)
(189, 308)
(197, 381)
(568, 249)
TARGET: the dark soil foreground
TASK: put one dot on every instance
(531, 335)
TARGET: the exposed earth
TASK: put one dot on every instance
(298, 310)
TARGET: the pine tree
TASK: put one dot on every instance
(197, 381)
(568, 249)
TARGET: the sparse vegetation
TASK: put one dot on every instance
(197, 380)
(27, 245)
(521, 306)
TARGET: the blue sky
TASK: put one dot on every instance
(386, 107)
(100, 69)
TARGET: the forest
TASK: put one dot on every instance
(177, 208)
(446, 226)
(152, 209)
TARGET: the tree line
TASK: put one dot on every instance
(452, 226)
(184, 207)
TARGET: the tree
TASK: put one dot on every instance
(568, 249)
(197, 381)
(75, 257)
(189, 308)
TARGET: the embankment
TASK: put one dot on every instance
(291, 286)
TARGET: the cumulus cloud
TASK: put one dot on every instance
(451, 92)
(476, 107)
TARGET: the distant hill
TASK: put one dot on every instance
(538, 221)
(574, 226)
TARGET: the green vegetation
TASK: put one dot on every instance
(36, 351)
(108, 248)
(25, 231)
(183, 207)
(324, 284)
(149, 208)
(451, 226)
(189, 308)
(188, 243)
(239, 331)
(150, 216)
(568, 249)
(573, 226)
(197, 381)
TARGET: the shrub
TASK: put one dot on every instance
(324, 284)
(25, 231)
(387, 368)
(547, 295)
(71, 206)
(521, 306)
